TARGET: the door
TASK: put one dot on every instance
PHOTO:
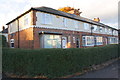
(106, 41)
(64, 42)
(77, 42)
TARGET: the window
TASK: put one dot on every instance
(26, 20)
(65, 22)
(99, 40)
(114, 32)
(86, 26)
(95, 28)
(12, 43)
(106, 30)
(74, 40)
(88, 40)
(52, 41)
(110, 31)
(76, 24)
(46, 18)
(101, 29)
(113, 40)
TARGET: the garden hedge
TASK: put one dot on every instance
(55, 62)
(3, 41)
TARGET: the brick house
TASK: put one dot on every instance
(44, 27)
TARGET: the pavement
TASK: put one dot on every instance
(110, 71)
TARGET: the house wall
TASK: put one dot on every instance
(57, 22)
(66, 33)
(23, 22)
(24, 37)
(28, 35)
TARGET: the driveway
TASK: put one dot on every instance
(110, 71)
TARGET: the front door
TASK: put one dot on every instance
(64, 42)
(106, 41)
(77, 42)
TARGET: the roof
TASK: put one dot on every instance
(60, 13)
(5, 30)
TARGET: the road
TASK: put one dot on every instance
(110, 71)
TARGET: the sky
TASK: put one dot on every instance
(106, 10)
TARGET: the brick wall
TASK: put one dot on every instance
(30, 38)
(25, 38)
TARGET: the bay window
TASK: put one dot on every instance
(113, 40)
(99, 40)
(88, 40)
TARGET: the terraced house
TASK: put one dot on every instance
(44, 27)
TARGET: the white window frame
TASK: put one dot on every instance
(26, 20)
(95, 27)
(65, 22)
(46, 18)
(85, 39)
(12, 41)
(74, 40)
(113, 40)
(53, 40)
(106, 30)
(99, 40)
(86, 26)
(76, 24)
(101, 29)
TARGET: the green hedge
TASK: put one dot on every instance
(3, 41)
(55, 62)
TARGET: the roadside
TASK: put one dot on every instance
(110, 71)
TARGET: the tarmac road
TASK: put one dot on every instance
(110, 71)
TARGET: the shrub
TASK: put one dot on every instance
(55, 62)
(4, 41)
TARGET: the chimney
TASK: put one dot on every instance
(70, 10)
(97, 19)
(3, 28)
(75, 11)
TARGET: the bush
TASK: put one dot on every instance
(4, 41)
(55, 62)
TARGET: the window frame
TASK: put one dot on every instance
(46, 18)
(98, 40)
(85, 40)
(86, 26)
(12, 41)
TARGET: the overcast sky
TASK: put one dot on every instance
(106, 10)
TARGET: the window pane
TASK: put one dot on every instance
(52, 41)
(86, 26)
